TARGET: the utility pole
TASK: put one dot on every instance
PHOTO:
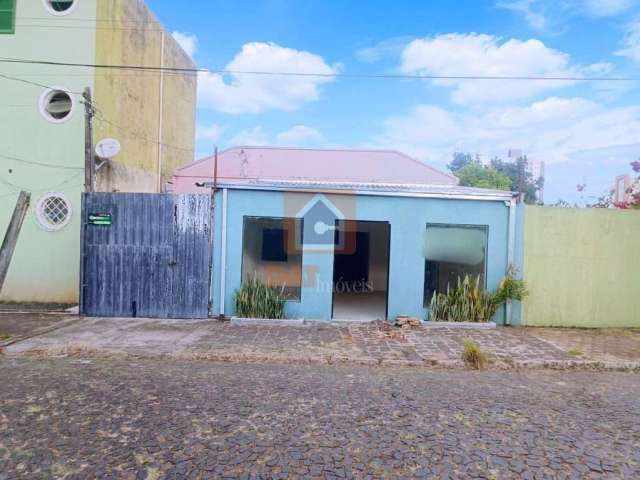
(89, 163)
(11, 237)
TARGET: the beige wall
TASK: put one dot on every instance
(132, 100)
(582, 267)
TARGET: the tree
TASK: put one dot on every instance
(474, 174)
(460, 160)
(522, 180)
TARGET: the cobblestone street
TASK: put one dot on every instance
(72, 418)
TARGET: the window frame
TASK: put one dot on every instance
(56, 13)
(245, 218)
(41, 217)
(476, 226)
(13, 9)
(42, 104)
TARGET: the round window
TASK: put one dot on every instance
(53, 211)
(60, 7)
(56, 105)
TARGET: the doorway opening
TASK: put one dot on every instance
(361, 270)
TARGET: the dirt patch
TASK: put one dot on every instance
(607, 344)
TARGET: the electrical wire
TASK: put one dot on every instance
(18, 188)
(36, 84)
(40, 164)
(398, 76)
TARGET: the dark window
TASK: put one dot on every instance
(272, 252)
(453, 251)
(274, 245)
(60, 5)
(7, 16)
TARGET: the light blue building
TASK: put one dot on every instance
(344, 250)
(348, 234)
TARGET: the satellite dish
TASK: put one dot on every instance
(107, 148)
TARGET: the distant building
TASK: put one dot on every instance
(535, 167)
(152, 115)
(621, 189)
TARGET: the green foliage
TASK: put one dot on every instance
(500, 174)
(510, 288)
(460, 160)
(467, 301)
(473, 356)
(475, 174)
(254, 299)
(521, 179)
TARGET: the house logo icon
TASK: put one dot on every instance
(320, 220)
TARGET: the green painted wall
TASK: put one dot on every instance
(582, 267)
(45, 265)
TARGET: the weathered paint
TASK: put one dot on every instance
(46, 264)
(152, 261)
(582, 267)
(132, 99)
(408, 218)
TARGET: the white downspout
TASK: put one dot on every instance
(223, 251)
(510, 252)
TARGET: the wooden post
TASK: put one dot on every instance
(11, 237)
(89, 163)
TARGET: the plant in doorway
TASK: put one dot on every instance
(255, 299)
(467, 301)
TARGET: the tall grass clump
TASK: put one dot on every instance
(468, 301)
(473, 356)
(255, 299)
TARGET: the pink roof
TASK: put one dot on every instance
(247, 164)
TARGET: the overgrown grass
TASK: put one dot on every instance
(468, 301)
(574, 352)
(4, 337)
(254, 299)
(473, 356)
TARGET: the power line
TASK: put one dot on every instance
(81, 27)
(131, 134)
(18, 188)
(99, 115)
(398, 76)
(40, 164)
(36, 84)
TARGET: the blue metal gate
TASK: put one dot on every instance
(145, 255)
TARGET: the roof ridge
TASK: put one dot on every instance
(310, 149)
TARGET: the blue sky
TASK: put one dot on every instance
(586, 132)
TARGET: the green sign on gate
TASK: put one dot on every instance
(100, 219)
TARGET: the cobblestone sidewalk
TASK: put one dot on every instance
(371, 344)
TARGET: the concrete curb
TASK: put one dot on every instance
(42, 331)
(330, 360)
(272, 322)
(459, 325)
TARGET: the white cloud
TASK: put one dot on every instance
(552, 16)
(389, 48)
(536, 19)
(255, 136)
(211, 133)
(187, 41)
(608, 8)
(485, 55)
(237, 93)
(631, 42)
(299, 135)
(553, 130)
